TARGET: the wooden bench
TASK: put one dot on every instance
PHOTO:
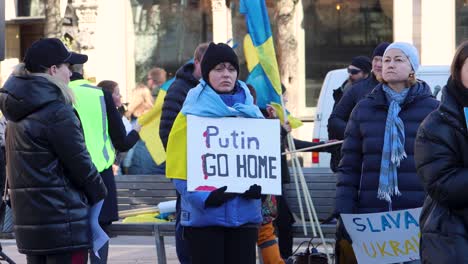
(137, 191)
(322, 186)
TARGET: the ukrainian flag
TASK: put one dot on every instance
(149, 123)
(261, 58)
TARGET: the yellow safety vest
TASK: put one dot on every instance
(91, 108)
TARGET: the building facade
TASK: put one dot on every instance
(125, 38)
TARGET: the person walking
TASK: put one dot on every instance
(441, 159)
(52, 179)
(376, 172)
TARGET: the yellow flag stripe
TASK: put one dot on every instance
(149, 133)
(267, 58)
(176, 163)
(250, 53)
(293, 122)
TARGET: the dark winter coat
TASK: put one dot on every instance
(51, 176)
(340, 115)
(338, 93)
(441, 157)
(121, 142)
(175, 98)
(359, 169)
(341, 112)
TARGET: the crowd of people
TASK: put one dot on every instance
(65, 138)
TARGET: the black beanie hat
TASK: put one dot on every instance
(380, 49)
(216, 54)
(363, 63)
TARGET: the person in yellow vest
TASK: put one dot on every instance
(103, 131)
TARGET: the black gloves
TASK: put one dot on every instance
(254, 192)
(218, 197)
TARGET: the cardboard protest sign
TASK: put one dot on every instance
(389, 237)
(233, 152)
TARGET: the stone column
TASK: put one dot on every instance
(403, 20)
(115, 41)
(407, 22)
(106, 36)
(222, 24)
(437, 32)
(86, 11)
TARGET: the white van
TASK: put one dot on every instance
(435, 76)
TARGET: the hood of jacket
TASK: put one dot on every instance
(23, 95)
(450, 113)
(186, 73)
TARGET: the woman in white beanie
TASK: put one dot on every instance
(377, 172)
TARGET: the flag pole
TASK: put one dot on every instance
(314, 147)
(297, 173)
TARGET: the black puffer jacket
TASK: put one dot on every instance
(175, 98)
(51, 177)
(359, 171)
(341, 112)
(441, 158)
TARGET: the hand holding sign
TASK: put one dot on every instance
(218, 197)
(386, 237)
(254, 192)
(233, 152)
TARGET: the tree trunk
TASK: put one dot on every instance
(53, 24)
(287, 50)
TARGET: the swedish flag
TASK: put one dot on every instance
(261, 58)
(260, 53)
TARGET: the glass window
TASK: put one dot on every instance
(336, 31)
(31, 8)
(461, 21)
(167, 33)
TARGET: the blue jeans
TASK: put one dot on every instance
(142, 163)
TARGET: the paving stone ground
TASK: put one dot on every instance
(123, 249)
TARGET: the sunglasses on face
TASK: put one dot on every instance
(353, 71)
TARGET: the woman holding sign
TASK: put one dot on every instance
(441, 156)
(377, 172)
(220, 227)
